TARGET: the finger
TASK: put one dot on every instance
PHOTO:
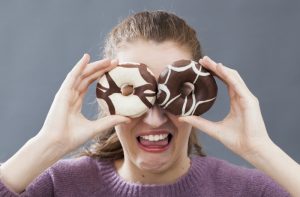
(233, 72)
(208, 127)
(234, 82)
(90, 69)
(83, 87)
(77, 106)
(229, 76)
(108, 122)
(76, 71)
(85, 83)
(212, 65)
(95, 66)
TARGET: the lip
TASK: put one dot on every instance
(154, 149)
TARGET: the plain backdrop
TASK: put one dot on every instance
(40, 41)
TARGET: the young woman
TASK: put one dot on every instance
(116, 165)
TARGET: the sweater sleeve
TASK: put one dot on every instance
(266, 186)
(41, 186)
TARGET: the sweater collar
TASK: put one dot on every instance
(121, 187)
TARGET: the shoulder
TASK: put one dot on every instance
(69, 175)
(243, 180)
(81, 166)
(220, 167)
(62, 176)
(74, 163)
(222, 171)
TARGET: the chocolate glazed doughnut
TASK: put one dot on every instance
(128, 90)
(186, 88)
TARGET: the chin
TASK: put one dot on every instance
(154, 164)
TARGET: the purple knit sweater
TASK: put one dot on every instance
(207, 176)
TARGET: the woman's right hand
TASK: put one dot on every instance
(64, 130)
(65, 125)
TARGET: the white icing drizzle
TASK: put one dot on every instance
(170, 101)
(194, 106)
(102, 89)
(191, 65)
(167, 78)
(163, 87)
(197, 73)
(200, 102)
(184, 105)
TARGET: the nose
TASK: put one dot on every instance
(155, 117)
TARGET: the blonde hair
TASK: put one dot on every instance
(158, 26)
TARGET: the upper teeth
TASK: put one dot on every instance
(155, 137)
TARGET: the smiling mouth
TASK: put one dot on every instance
(155, 142)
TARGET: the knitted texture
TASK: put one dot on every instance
(207, 176)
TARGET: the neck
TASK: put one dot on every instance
(131, 172)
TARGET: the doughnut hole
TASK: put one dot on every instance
(187, 88)
(127, 89)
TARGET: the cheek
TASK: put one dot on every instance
(125, 132)
(184, 134)
(184, 131)
(128, 128)
(182, 127)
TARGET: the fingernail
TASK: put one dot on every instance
(208, 58)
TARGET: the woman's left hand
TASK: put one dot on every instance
(243, 130)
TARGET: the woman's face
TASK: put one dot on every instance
(156, 121)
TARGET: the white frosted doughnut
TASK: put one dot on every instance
(113, 90)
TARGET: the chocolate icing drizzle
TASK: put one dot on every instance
(104, 93)
(146, 90)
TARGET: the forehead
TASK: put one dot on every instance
(155, 55)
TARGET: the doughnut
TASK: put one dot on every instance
(186, 88)
(128, 90)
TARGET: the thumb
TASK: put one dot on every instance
(208, 127)
(108, 122)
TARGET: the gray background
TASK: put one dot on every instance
(40, 41)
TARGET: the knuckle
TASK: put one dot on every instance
(252, 101)
(95, 69)
(82, 76)
(70, 76)
(255, 100)
(235, 83)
